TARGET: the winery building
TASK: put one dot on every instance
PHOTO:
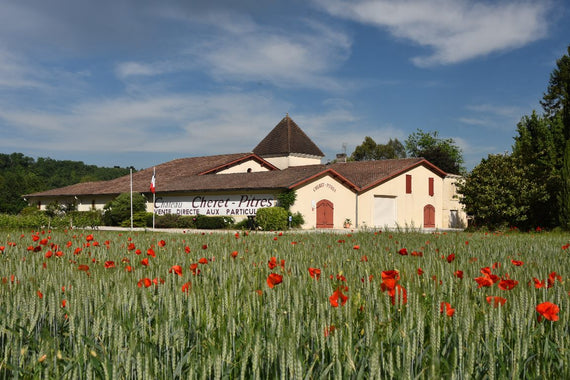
(409, 192)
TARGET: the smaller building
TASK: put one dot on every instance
(408, 192)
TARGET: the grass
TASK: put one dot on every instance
(230, 324)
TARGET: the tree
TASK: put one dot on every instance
(443, 153)
(564, 195)
(556, 100)
(119, 209)
(537, 148)
(370, 151)
(496, 193)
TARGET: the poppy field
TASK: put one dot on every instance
(106, 304)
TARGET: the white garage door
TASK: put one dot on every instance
(384, 212)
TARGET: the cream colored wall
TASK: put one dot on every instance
(82, 203)
(327, 187)
(283, 162)
(451, 202)
(409, 207)
(243, 168)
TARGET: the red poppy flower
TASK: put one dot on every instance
(445, 306)
(356, 247)
(517, 263)
(186, 287)
(77, 251)
(274, 279)
(234, 254)
(150, 252)
(157, 280)
(129, 268)
(388, 284)
(161, 243)
(48, 254)
(177, 269)
(403, 251)
(335, 297)
(144, 261)
(458, 274)
(451, 257)
(394, 274)
(35, 238)
(146, 282)
(59, 253)
(417, 253)
(329, 330)
(205, 246)
(89, 237)
(138, 252)
(83, 268)
(548, 310)
(420, 271)
(40, 294)
(538, 284)
(507, 284)
(496, 301)
(552, 277)
(194, 269)
(109, 264)
(63, 303)
(187, 249)
(364, 258)
(131, 246)
(484, 281)
(315, 273)
(203, 260)
(272, 263)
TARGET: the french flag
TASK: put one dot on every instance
(152, 184)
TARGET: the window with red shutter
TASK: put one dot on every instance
(430, 186)
(408, 183)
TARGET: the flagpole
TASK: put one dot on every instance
(131, 171)
(153, 197)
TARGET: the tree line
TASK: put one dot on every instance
(20, 174)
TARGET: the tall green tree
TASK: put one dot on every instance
(443, 153)
(496, 193)
(556, 105)
(537, 148)
(369, 150)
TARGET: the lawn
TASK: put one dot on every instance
(99, 304)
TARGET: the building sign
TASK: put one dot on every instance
(223, 205)
(323, 185)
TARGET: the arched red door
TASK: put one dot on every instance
(429, 216)
(325, 214)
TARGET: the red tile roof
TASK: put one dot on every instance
(186, 175)
(287, 138)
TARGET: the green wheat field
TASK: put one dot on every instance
(141, 305)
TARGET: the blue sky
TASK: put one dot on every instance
(141, 82)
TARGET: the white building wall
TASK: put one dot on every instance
(308, 195)
(245, 167)
(409, 207)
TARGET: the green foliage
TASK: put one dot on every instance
(205, 222)
(287, 199)
(297, 220)
(564, 194)
(369, 150)
(443, 153)
(497, 193)
(20, 175)
(556, 100)
(272, 218)
(119, 209)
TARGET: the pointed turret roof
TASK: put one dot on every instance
(285, 139)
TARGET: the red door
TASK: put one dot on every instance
(325, 213)
(429, 216)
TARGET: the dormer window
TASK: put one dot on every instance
(249, 170)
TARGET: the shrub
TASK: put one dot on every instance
(297, 220)
(272, 218)
(119, 209)
(212, 222)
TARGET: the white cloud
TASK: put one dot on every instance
(294, 57)
(456, 30)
